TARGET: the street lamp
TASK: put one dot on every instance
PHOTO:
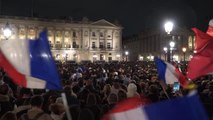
(168, 26)
(184, 54)
(126, 54)
(7, 31)
(172, 45)
(165, 49)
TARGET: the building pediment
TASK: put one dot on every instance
(103, 22)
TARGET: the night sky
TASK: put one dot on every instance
(133, 15)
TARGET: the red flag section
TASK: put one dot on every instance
(202, 61)
(182, 79)
(127, 104)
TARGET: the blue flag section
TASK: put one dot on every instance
(42, 63)
(185, 108)
(161, 69)
(182, 108)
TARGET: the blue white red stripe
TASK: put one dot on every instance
(185, 108)
(29, 62)
(168, 73)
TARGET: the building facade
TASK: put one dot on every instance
(71, 41)
(150, 43)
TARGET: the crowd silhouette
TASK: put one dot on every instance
(92, 90)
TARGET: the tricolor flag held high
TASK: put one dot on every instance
(185, 108)
(29, 62)
(168, 73)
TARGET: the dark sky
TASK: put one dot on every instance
(134, 15)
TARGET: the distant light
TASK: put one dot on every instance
(184, 49)
(7, 32)
(152, 57)
(172, 44)
(140, 58)
(118, 55)
(165, 49)
(126, 53)
(95, 56)
(168, 26)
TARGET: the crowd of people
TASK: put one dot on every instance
(92, 90)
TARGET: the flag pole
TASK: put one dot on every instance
(64, 98)
(164, 90)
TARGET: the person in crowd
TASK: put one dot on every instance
(132, 90)
(57, 111)
(105, 93)
(5, 100)
(9, 116)
(36, 112)
(92, 105)
(71, 96)
(121, 95)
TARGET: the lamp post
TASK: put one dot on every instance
(165, 49)
(172, 44)
(7, 31)
(126, 54)
(184, 54)
(168, 26)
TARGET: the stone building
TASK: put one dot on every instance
(70, 41)
(150, 43)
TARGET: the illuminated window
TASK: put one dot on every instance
(190, 42)
(66, 37)
(31, 33)
(22, 33)
(58, 37)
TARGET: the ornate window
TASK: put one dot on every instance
(101, 44)
(108, 45)
(101, 34)
(190, 42)
(31, 33)
(93, 44)
(66, 36)
(22, 32)
(74, 34)
(93, 34)
(58, 37)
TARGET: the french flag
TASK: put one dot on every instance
(184, 108)
(29, 63)
(168, 73)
